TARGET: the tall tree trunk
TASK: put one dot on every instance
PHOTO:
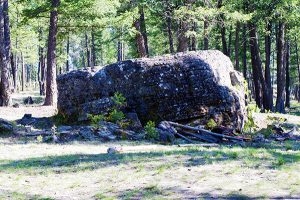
(14, 68)
(298, 65)
(143, 28)
(51, 86)
(183, 28)
(93, 50)
(169, 27)
(223, 29)
(193, 38)
(205, 35)
(142, 52)
(120, 51)
(245, 51)
(23, 72)
(4, 54)
(183, 40)
(68, 53)
(42, 67)
(280, 69)
(258, 70)
(88, 52)
(236, 47)
(268, 43)
(42, 72)
(287, 72)
(83, 60)
(229, 43)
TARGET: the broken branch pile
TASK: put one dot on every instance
(194, 134)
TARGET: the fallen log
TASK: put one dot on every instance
(185, 138)
(206, 138)
(204, 131)
(198, 145)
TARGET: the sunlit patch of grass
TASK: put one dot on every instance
(150, 192)
(280, 161)
(101, 196)
(163, 167)
(21, 196)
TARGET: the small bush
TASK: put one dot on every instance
(95, 119)
(279, 162)
(119, 99)
(116, 116)
(211, 124)
(250, 125)
(40, 139)
(151, 131)
(124, 124)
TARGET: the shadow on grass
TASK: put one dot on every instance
(193, 157)
(6, 194)
(155, 192)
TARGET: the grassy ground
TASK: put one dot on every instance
(147, 171)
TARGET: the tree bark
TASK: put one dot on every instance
(143, 29)
(4, 54)
(23, 72)
(268, 43)
(68, 53)
(120, 51)
(193, 39)
(236, 47)
(93, 50)
(288, 79)
(87, 48)
(169, 27)
(51, 85)
(42, 72)
(223, 29)
(205, 35)
(183, 40)
(14, 69)
(245, 51)
(298, 66)
(142, 52)
(229, 43)
(42, 68)
(258, 74)
(280, 69)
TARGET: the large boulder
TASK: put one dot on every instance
(195, 85)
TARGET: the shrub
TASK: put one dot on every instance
(151, 131)
(250, 125)
(40, 139)
(119, 99)
(95, 119)
(116, 116)
(211, 124)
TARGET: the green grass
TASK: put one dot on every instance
(84, 170)
(296, 108)
(150, 192)
(198, 156)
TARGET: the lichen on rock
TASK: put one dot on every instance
(180, 87)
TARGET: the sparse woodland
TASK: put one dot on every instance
(41, 39)
(149, 99)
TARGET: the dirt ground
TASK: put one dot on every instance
(37, 110)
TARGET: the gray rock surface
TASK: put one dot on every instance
(6, 126)
(181, 87)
